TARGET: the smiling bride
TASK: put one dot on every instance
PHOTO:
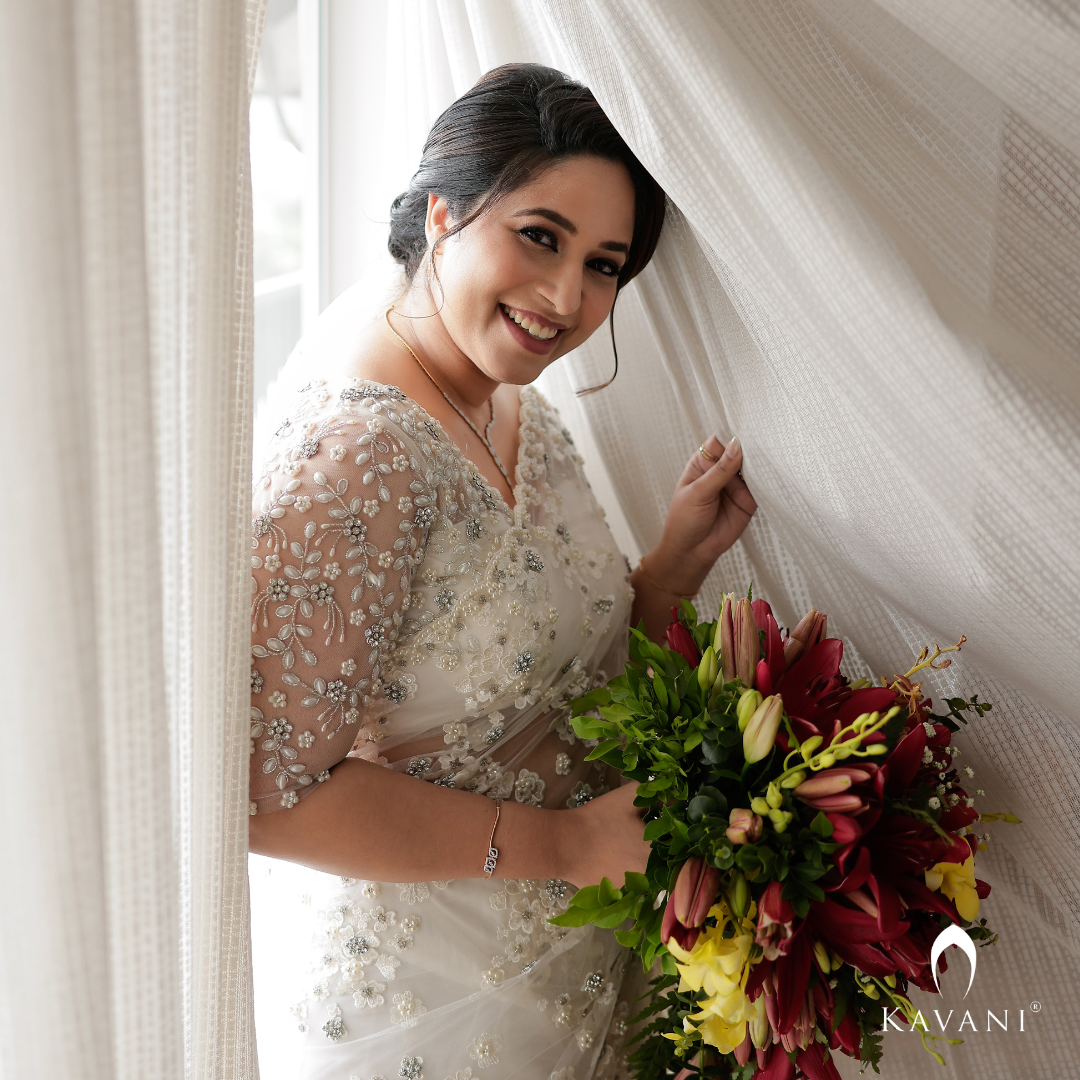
(433, 583)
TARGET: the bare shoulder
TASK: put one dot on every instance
(368, 352)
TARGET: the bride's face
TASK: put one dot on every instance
(533, 277)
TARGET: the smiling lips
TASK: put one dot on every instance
(535, 328)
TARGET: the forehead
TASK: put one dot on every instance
(597, 195)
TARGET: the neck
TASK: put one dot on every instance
(420, 323)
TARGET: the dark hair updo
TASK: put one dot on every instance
(517, 120)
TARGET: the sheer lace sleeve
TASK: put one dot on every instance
(341, 522)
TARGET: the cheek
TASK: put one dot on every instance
(596, 305)
(476, 270)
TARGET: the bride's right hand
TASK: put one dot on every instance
(605, 838)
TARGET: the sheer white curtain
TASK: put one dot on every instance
(871, 277)
(125, 301)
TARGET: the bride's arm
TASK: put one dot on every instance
(709, 511)
(371, 822)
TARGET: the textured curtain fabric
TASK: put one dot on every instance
(125, 293)
(870, 276)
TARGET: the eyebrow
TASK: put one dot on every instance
(565, 223)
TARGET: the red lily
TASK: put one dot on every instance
(770, 670)
(775, 916)
(846, 1036)
(785, 979)
(813, 1063)
(774, 1064)
(680, 640)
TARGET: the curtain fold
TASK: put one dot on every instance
(870, 276)
(125, 287)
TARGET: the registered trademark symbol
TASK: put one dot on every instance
(1035, 1006)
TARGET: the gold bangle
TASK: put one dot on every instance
(705, 453)
(493, 852)
(657, 585)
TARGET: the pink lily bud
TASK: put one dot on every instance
(760, 732)
(775, 916)
(695, 890)
(845, 830)
(811, 630)
(687, 908)
(744, 827)
(744, 1049)
(825, 783)
(747, 642)
(843, 803)
(724, 639)
(832, 782)
(772, 1014)
(829, 782)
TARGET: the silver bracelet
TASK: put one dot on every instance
(493, 852)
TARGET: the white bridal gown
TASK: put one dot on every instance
(403, 613)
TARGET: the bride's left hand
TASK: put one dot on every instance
(709, 511)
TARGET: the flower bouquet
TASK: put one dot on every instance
(811, 837)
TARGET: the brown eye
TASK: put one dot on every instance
(605, 267)
(543, 237)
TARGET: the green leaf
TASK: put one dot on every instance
(605, 747)
(574, 917)
(667, 964)
(653, 651)
(591, 727)
(617, 914)
(727, 774)
(661, 690)
(635, 882)
(693, 740)
(656, 828)
(588, 898)
(617, 714)
(718, 797)
(822, 825)
(607, 893)
(592, 700)
(629, 938)
(755, 862)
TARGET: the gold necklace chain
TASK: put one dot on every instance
(485, 439)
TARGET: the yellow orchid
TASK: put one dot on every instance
(957, 882)
(719, 966)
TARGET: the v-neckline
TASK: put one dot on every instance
(445, 437)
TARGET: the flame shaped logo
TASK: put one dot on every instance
(953, 935)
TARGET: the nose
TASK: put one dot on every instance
(563, 288)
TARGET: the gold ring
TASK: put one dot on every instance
(705, 453)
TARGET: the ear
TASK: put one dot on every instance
(438, 221)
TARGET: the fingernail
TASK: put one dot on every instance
(732, 448)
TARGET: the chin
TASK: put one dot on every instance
(521, 372)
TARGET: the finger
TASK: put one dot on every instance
(737, 495)
(699, 464)
(711, 482)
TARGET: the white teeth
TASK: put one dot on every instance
(534, 329)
